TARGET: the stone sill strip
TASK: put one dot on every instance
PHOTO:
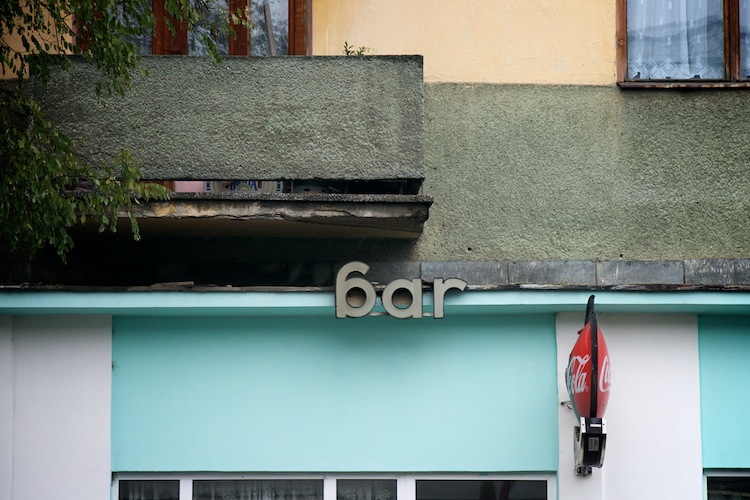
(652, 275)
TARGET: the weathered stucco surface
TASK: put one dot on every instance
(537, 184)
(581, 172)
(253, 118)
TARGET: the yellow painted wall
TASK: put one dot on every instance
(13, 40)
(493, 41)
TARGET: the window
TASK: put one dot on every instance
(279, 27)
(683, 43)
(326, 487)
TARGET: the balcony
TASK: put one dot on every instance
(349, 129)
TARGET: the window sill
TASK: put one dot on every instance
(682, 84)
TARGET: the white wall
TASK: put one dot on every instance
(6, 405)
(653, 417)
(55, 384)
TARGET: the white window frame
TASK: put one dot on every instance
(406, 484)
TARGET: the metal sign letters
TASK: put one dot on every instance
(356, 297)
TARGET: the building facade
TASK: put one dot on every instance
(523, 151)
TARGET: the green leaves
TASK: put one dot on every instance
(351, 50)
(45, 186)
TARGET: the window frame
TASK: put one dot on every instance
(731, 21)
(406, 484)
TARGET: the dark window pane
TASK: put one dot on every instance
(482, 490)
(728, 488)
(275, 489)
(149, 490)
(366, 489)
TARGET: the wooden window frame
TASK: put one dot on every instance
(163, 41)
(731, 54)
(300, 23)
(300, 27)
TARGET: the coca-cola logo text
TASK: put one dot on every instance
(577, 373)
(604, 375)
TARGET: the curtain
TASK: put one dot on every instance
(675, 39)
(366, 489)
(276, 489)
(149, 490)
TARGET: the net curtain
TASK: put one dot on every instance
(675, 39)
(258, 490)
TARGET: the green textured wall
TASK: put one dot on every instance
(574, 172)
(253, 118)
(517, 172)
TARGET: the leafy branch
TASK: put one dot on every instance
(46, 186)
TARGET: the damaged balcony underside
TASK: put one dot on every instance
(284, 215)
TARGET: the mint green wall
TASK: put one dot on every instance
(468, 393)
(724, 343)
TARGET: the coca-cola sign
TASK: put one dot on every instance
(588, 372)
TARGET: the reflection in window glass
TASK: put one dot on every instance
(142, 43)
(728, 488)
(213, 21)
(482, 490)
(366, 489)
(276, 489)
(675, 39)
(745, 39)
(149, 490)
(279, 16)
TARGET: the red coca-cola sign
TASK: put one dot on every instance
(588, 373)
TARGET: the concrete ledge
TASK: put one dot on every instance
(475, 273)
(663, 272)
(699, 273)
(217, 263)
(285, 215)
(563, 272)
